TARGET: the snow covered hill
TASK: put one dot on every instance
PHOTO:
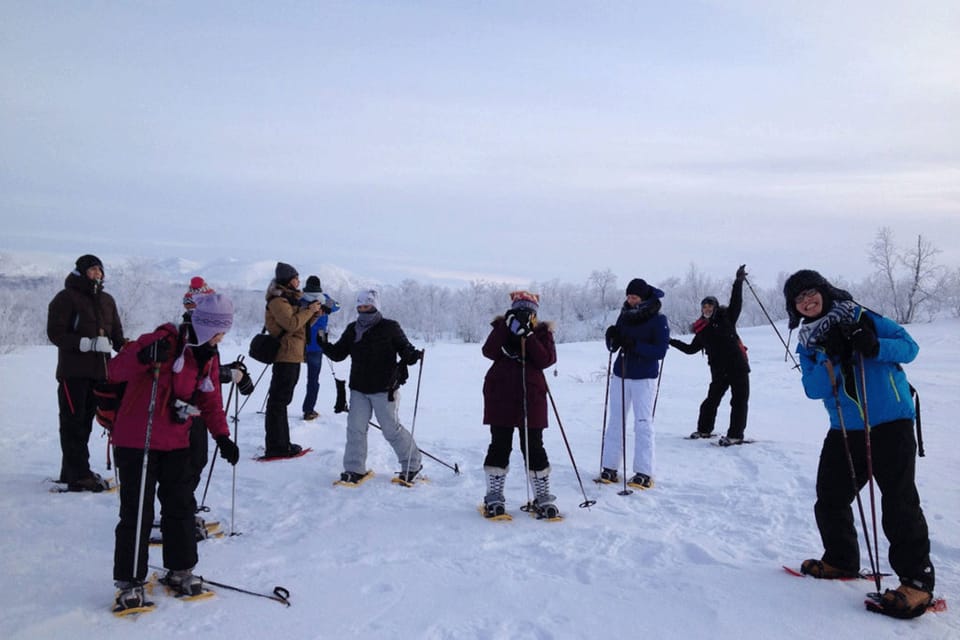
(699, 556)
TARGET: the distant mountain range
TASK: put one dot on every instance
(220, 272)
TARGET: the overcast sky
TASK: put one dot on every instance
(483, 140)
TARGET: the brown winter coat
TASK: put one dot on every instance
(503, 388)
(284, 313)
(82, 310)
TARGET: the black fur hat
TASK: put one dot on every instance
(84, 262)
(808, 279)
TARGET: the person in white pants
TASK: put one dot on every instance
(641, 337)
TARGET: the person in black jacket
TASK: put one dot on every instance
(716, 333)
(374, 343)
(83, 321)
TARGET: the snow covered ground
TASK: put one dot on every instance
(697, 557)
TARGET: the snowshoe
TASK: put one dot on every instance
(353, 479)
(725, 441)
(904, 602)
(641, 481)
(406, 478)
(183, 584)
(131, 599)
(493, 511)
(697, 435)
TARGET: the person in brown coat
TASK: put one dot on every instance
(515, 396)
(287, 319)
(83, 322)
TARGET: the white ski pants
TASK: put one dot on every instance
(624, 396)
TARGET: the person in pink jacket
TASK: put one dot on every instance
(169, 380)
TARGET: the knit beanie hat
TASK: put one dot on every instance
(198, 287)
(284, 273)
(639, 287)
(313, 291)
(213, 315)
(710, 300)
(524, 300)
(84, 262)
(804, 280)
(370, 297)
(313, 285)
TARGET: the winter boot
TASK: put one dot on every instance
(727, 441)
(93, 482)
(820, 569)
(608, 476)
(494, 504)
(184, 582)
(905, 602)
(130, 596)
(543, 501)
(199, 528)
(641, 481)
(407, 477)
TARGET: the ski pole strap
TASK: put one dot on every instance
(916, 406)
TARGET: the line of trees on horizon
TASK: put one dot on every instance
(908, 285)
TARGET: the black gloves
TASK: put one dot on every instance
(741, 273)
(237, 372)
(158, 351)
(612, 338)
(413, 357)
(228, 449)
(837, 344)
(843, 340)
(864, 339)
(519, 321)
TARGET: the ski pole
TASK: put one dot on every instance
(796, 365)
(587, 503)
(233, 489)
(874, 566)
(656, 396)
(255, 384)
(606, 400)
(146, 453)
(623, 419)
(454, 467)
(416, 402)
(216, 450)
(526, 428)
(869, 453)
(280, 594)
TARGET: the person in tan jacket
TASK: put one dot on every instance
(286, 319)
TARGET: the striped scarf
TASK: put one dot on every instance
(812, 333)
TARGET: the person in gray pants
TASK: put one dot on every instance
(379, 355)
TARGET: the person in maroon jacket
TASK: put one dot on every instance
(83, 322)
(168, 382)
(515, 396)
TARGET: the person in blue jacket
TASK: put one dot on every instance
(642, 337)
(314, 352)
(851, 359)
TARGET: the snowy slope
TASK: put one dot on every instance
(697, 557)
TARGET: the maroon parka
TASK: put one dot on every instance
(503, 389)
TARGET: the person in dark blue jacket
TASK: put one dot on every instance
(314, 352)
(715, 332)
(641, 335)
(851, 359)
